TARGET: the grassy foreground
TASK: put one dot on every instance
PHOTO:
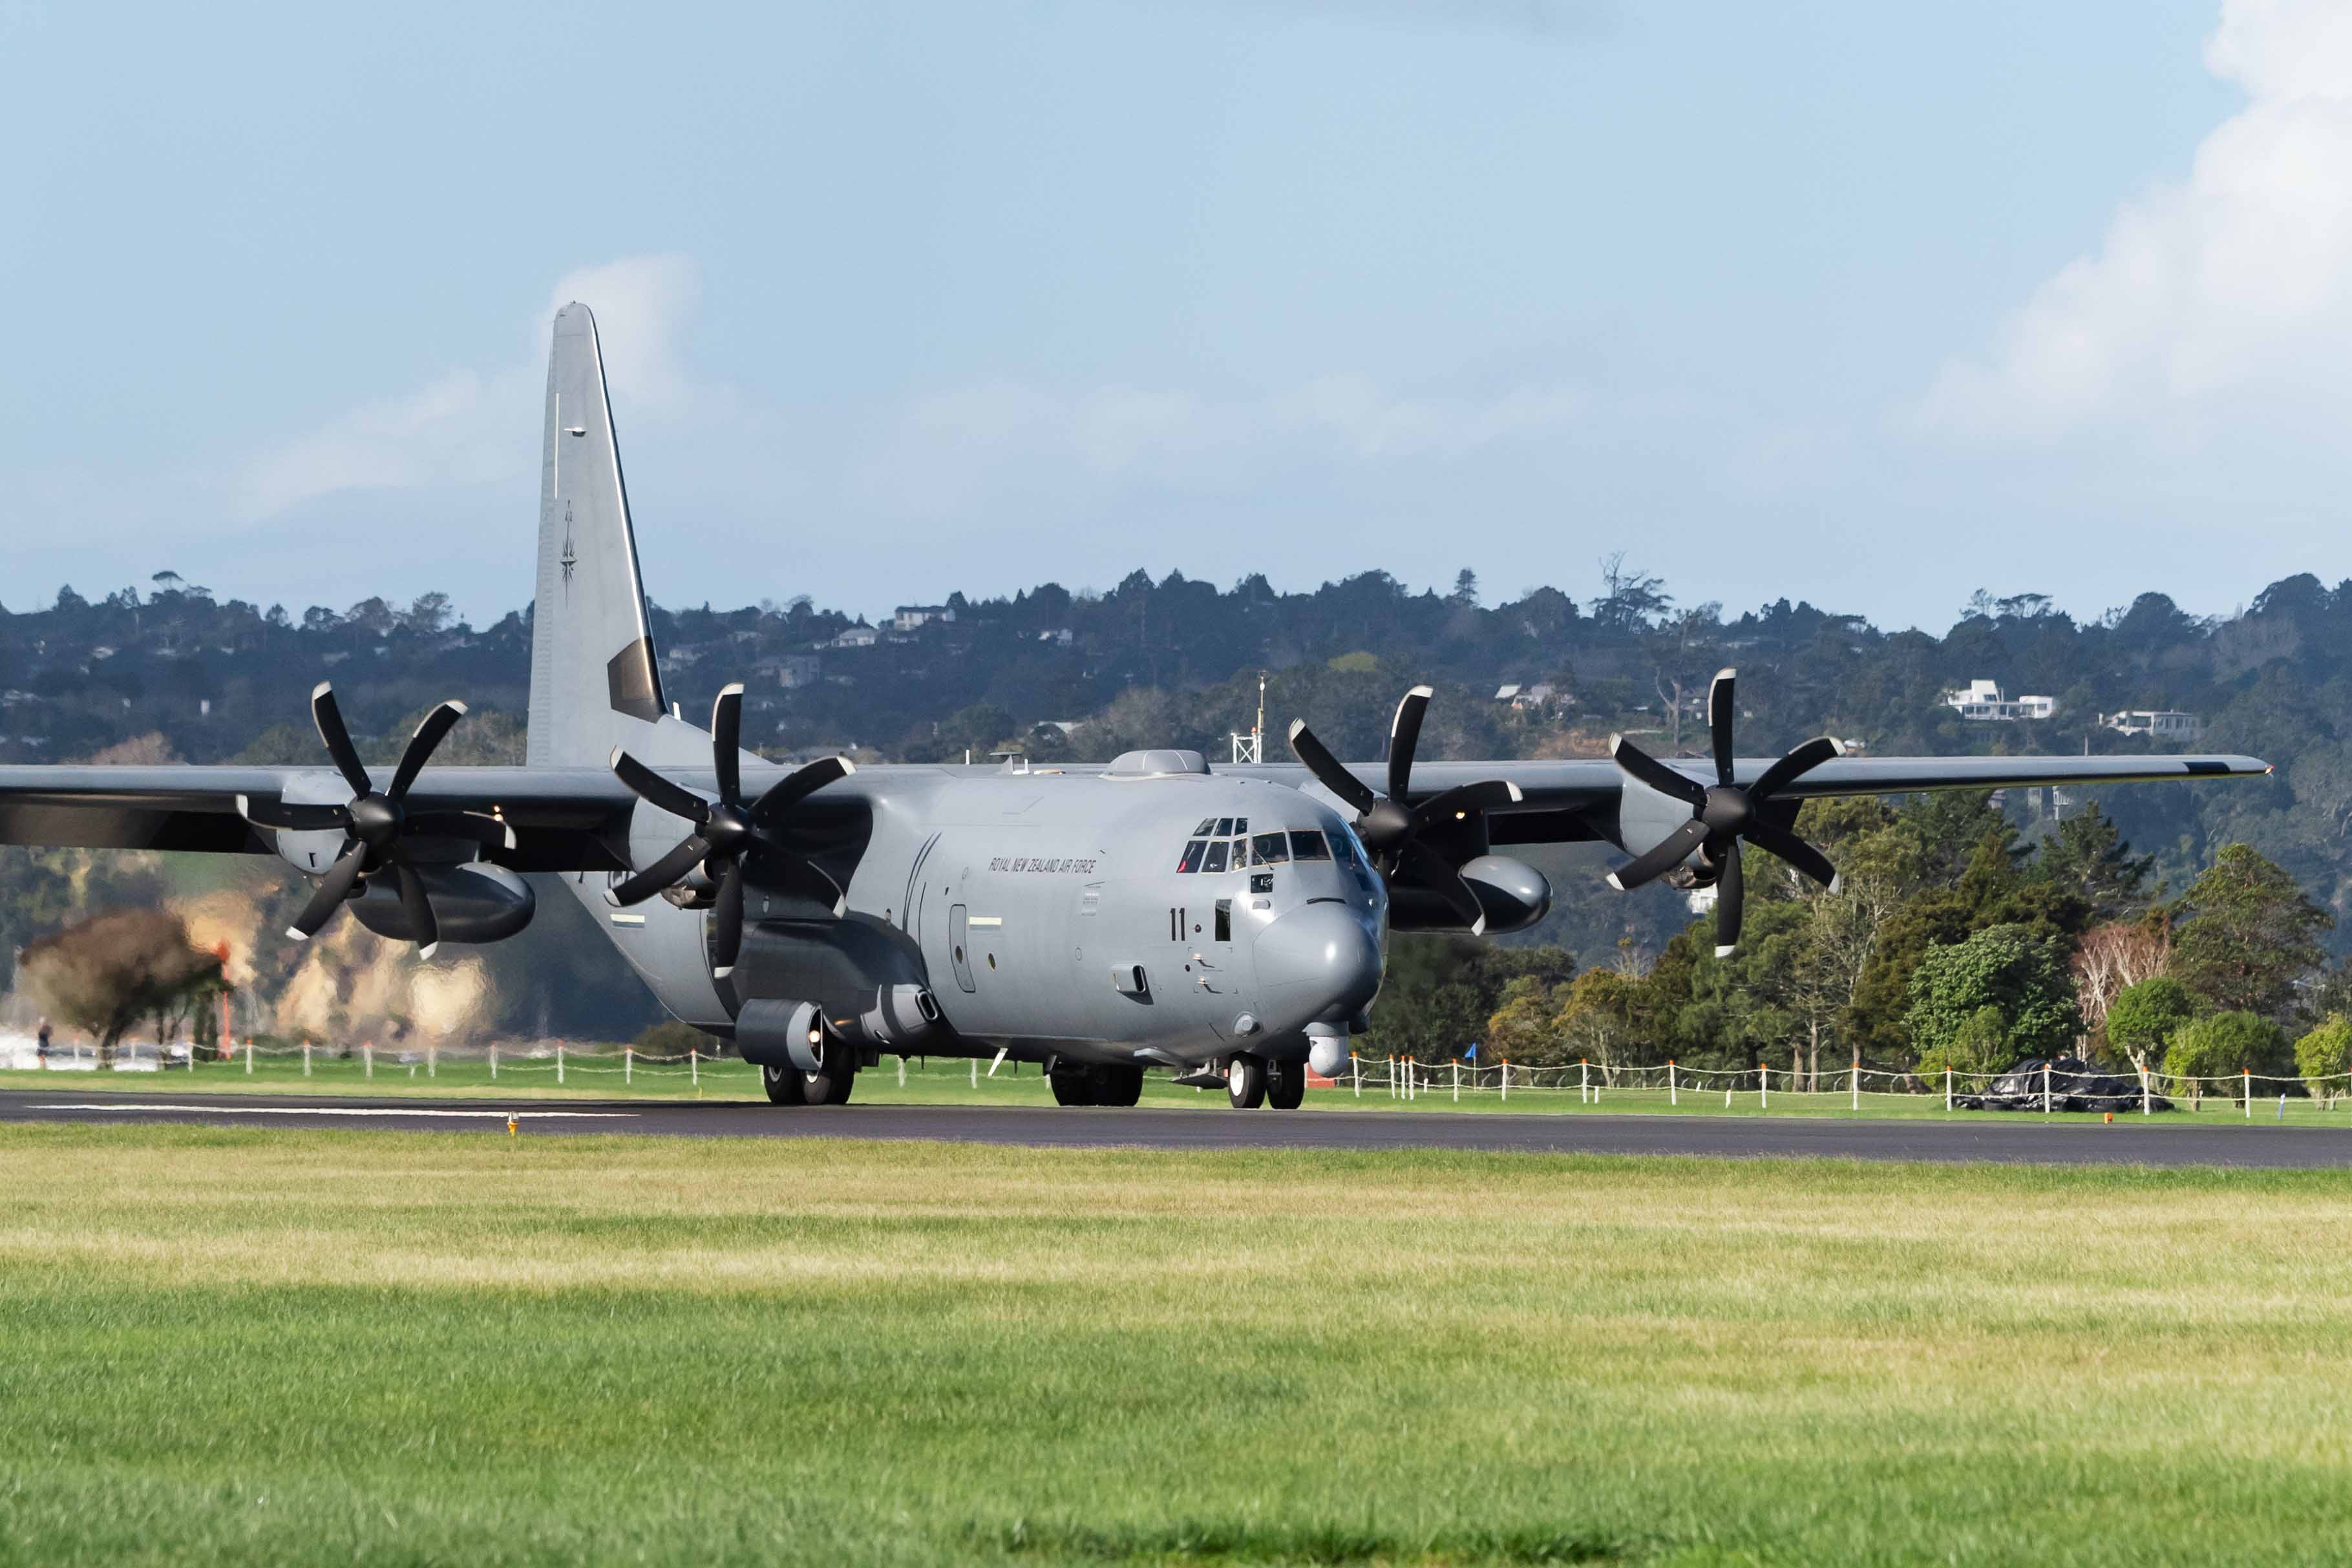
(232, 1346)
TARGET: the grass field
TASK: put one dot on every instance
(233, 1345)
(944, 1081)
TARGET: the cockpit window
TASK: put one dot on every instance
(1224, 827)
(1342, 850)
(1270, 850)
(1208, 826)
(1307, 845)
(1193, 853)
(1215, 859)
(1241, 825)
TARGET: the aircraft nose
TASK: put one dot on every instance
(1318, 961)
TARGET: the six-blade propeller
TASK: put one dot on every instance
(1392, 829)
(730, 841)
(374, 822)
(1724, 813)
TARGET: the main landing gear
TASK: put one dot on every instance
(1253, 1080)
(788, 1085)
(1074, 1084)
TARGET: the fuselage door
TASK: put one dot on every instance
(959, 927)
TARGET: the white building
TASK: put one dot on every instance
(1541, 694)
(1982, 701)
(855, 636)
(2163, 724)
(906, 617)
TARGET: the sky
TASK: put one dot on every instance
(1869, 305)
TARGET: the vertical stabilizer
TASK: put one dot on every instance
(594, 677)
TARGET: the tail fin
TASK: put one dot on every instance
(594, 677)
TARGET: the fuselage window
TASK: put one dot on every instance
(1193, 853)
(1308, 845)
(1270, 850)
(1224, 920)
(1215, 859)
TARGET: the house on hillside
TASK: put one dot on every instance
(1540, 695)
(2162, 723)
(855, 636)
(1981, 700)
(906, 617)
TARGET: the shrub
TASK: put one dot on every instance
(2220, 1045)
(2145, 1017)
(2325, 1053)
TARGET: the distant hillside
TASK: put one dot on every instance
(175, 672)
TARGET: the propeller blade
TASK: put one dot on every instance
(333, 889)
(293, 817)
(1488, 795)
(727, 741)
(790, 874)
(655, 790)
(1655, 773)
(419, 908)
(429, 735)
(487, 831)
(1404, 736)
(1719, 717)
(727, 923)
(1794, 850)
(1664, 858)
(1795, 765)
(329, 721)
(1425, 868)
(684, 857)
(1730, 900)
(797, 787)
(1326, 769)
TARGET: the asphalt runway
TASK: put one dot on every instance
(2009, 1139)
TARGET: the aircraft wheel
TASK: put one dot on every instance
(1245, 1081)
(1118, 1086)
(1285, 1084)
(832, 1086)
(1073, 1086)
(785, 1085)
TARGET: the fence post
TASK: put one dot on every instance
(2249, 1073)
(1457, 1080)
(248, 1056)
(2146, 1107)
(1763, 1086)
(628, 1064)
(494, 1061)
(902, 1069)
(433, 1060)
(306, 1058)
(1857, 1083)
(1507, 1080)
(558, 1061)
(367, 1057)
(694, 1067)
(975, 1072)
(1673, 1095)
(2045, 1086)
(1948, 1088)
(1583, 1081)
(1356, 1071)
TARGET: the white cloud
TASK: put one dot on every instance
(950, 446)
(2234, 284)
(476, 426)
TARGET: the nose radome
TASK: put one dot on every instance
(1318, 962)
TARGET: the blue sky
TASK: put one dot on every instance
(1873, 305)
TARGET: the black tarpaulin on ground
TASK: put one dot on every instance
(2073, 1084)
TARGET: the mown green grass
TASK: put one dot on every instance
(237, 1345)
(942, 1081)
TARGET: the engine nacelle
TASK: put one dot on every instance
(774, 1033)
(1513, 894)
(902, 1019)
(474, 902)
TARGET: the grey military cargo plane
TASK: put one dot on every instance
(1226, 924)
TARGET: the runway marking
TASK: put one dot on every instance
(348, 1111)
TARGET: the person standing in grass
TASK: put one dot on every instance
(41, 1045)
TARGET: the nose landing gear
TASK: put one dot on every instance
(1285, 1084)
(1245, 1080)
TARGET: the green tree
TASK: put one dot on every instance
(2088, 857)
(106, 974)
(2324, 1055)
(2250, 936)
(2220, 1045)
(2017, 974)
(2145, 1017)
(1526, 1028)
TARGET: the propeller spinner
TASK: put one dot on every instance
(1724, 813)
(1392, 829)
(730, 840)
(375, 823)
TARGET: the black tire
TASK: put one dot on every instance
(785, 1085)
(1245, 1081)
(832, 1086)
(1286, 1085)
(1073, 1086)
(1118, 1086)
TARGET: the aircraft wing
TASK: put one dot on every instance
(562, 816)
